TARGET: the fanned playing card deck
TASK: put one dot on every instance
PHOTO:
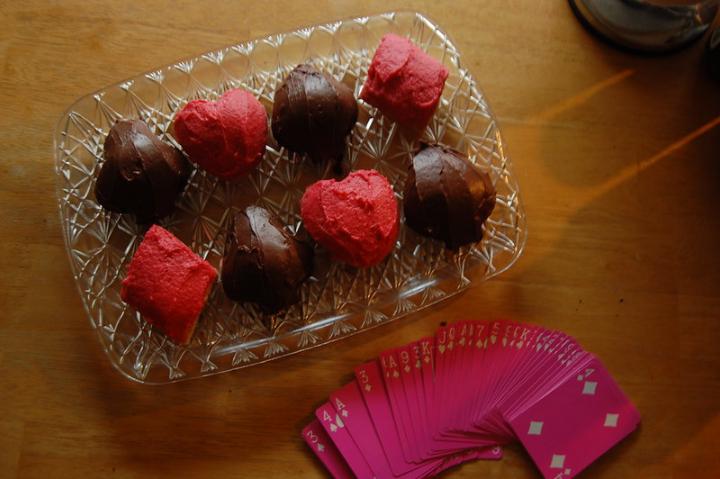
(463, 394)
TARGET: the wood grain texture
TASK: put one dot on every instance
(617, 158)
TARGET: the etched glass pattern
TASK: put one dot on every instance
(338, 300)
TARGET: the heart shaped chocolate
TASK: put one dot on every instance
(227, 137)
(355, 219)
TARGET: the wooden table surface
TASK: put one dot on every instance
(617, 159)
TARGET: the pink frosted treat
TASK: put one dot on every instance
(404, 82)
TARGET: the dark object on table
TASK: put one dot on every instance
(713, 53)
(313, 113)
(643, 27)
(447, 197)
(141, 174)
(262, 262)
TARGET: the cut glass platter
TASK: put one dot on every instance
(338, 300)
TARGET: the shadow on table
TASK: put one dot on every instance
(633, 274)
(255, 413)
(658, 93)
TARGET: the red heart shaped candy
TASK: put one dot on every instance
(355, 219)
(227, 137)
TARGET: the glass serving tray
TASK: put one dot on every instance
(338, 300)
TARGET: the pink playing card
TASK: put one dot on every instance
(448, 344)
(335, 429)
(412, 392)
(456, 393)
(396, 395)
(458, 421)
(464, 379)
(318, 440)
(477, 374)
(423, 376)
(457, 396)
(576, 423)
(350, 406)
(445, 341)
(448, 392)
(369, 378)
(496, 360)
(441, 373)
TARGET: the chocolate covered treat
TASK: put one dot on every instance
(447, 197)
(262, 262)
(141, 174)
(313, 113)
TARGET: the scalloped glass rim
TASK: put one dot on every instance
(338, 301)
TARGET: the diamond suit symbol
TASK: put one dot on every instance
(535, 428)
(368, 387)
(441, 348)
(320, 448)
(344, 413)
(406, 368)
(333, 427)
(396, 374)
(611, 420)
(557, 461)
(589, 388)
